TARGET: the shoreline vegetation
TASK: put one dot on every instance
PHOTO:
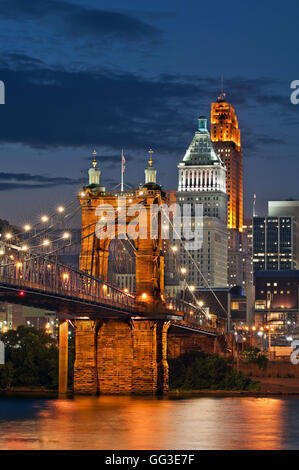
(202, 371)
(31, 370)
(23, 392)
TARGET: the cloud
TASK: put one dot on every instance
(269, 140)
(106, 109)
(80, 21)
(9, 181)
(47, 108)
(261, 145)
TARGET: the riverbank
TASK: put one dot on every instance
(268, 386)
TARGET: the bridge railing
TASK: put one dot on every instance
(192, 315)
(46, 275)
(58, 279)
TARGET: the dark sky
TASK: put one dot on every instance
(135, 74)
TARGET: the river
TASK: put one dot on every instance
(149, 423)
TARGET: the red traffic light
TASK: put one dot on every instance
(21, 293)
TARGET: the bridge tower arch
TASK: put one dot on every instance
(100, 226)
(115, 356)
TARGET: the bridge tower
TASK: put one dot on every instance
(117, 220)
(116, 356)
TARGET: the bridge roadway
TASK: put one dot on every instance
(71, 293)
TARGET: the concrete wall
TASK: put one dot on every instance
(274, 369)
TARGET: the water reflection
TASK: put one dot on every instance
(145, 423)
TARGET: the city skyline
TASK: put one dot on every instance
(149, 97)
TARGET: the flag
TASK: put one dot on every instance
(123, 161)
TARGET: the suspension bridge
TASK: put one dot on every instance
(121, 337)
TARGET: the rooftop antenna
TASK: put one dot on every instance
(253, 208)
(222, 94)
(123, 167)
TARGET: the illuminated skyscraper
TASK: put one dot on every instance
(225, 135)
(202, 181)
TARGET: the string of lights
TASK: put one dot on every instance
(62, 211)
(195, 264)
(66, 235)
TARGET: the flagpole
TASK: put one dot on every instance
(122, 171)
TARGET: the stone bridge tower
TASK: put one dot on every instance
(109, 214)
(120, 356)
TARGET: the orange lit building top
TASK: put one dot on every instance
(224, 123)
(225, 135)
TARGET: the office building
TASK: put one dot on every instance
(225, 135)
(202, 181)
(273, 243)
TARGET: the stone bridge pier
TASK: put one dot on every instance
(182, 341)
(121, 357)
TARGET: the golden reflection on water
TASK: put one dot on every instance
(145, 423)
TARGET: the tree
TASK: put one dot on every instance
(198, 370)
(251, 354)
(31, 359)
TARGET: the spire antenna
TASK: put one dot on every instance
(222, 94)
(150, 161)
(150, 172)
(94, 160)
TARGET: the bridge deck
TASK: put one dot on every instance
(73, 293)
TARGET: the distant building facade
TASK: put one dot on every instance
(202, 181)
(274, 243)
(240, 271)
(276, 299)
(287, 208)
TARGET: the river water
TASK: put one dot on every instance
(149, 423)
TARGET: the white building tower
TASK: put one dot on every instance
(202, 180)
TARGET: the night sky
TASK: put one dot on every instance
(134, 74)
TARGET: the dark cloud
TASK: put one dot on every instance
(261, 145)
(243, 90)
(57, 108)
(107, 109)
(274, 100)
(20, 61)
(78, 20)
(9, 181)
(269, 140)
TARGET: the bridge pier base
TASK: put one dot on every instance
(85, 371)
(119, 357)
(63, 357)
(150, 366)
